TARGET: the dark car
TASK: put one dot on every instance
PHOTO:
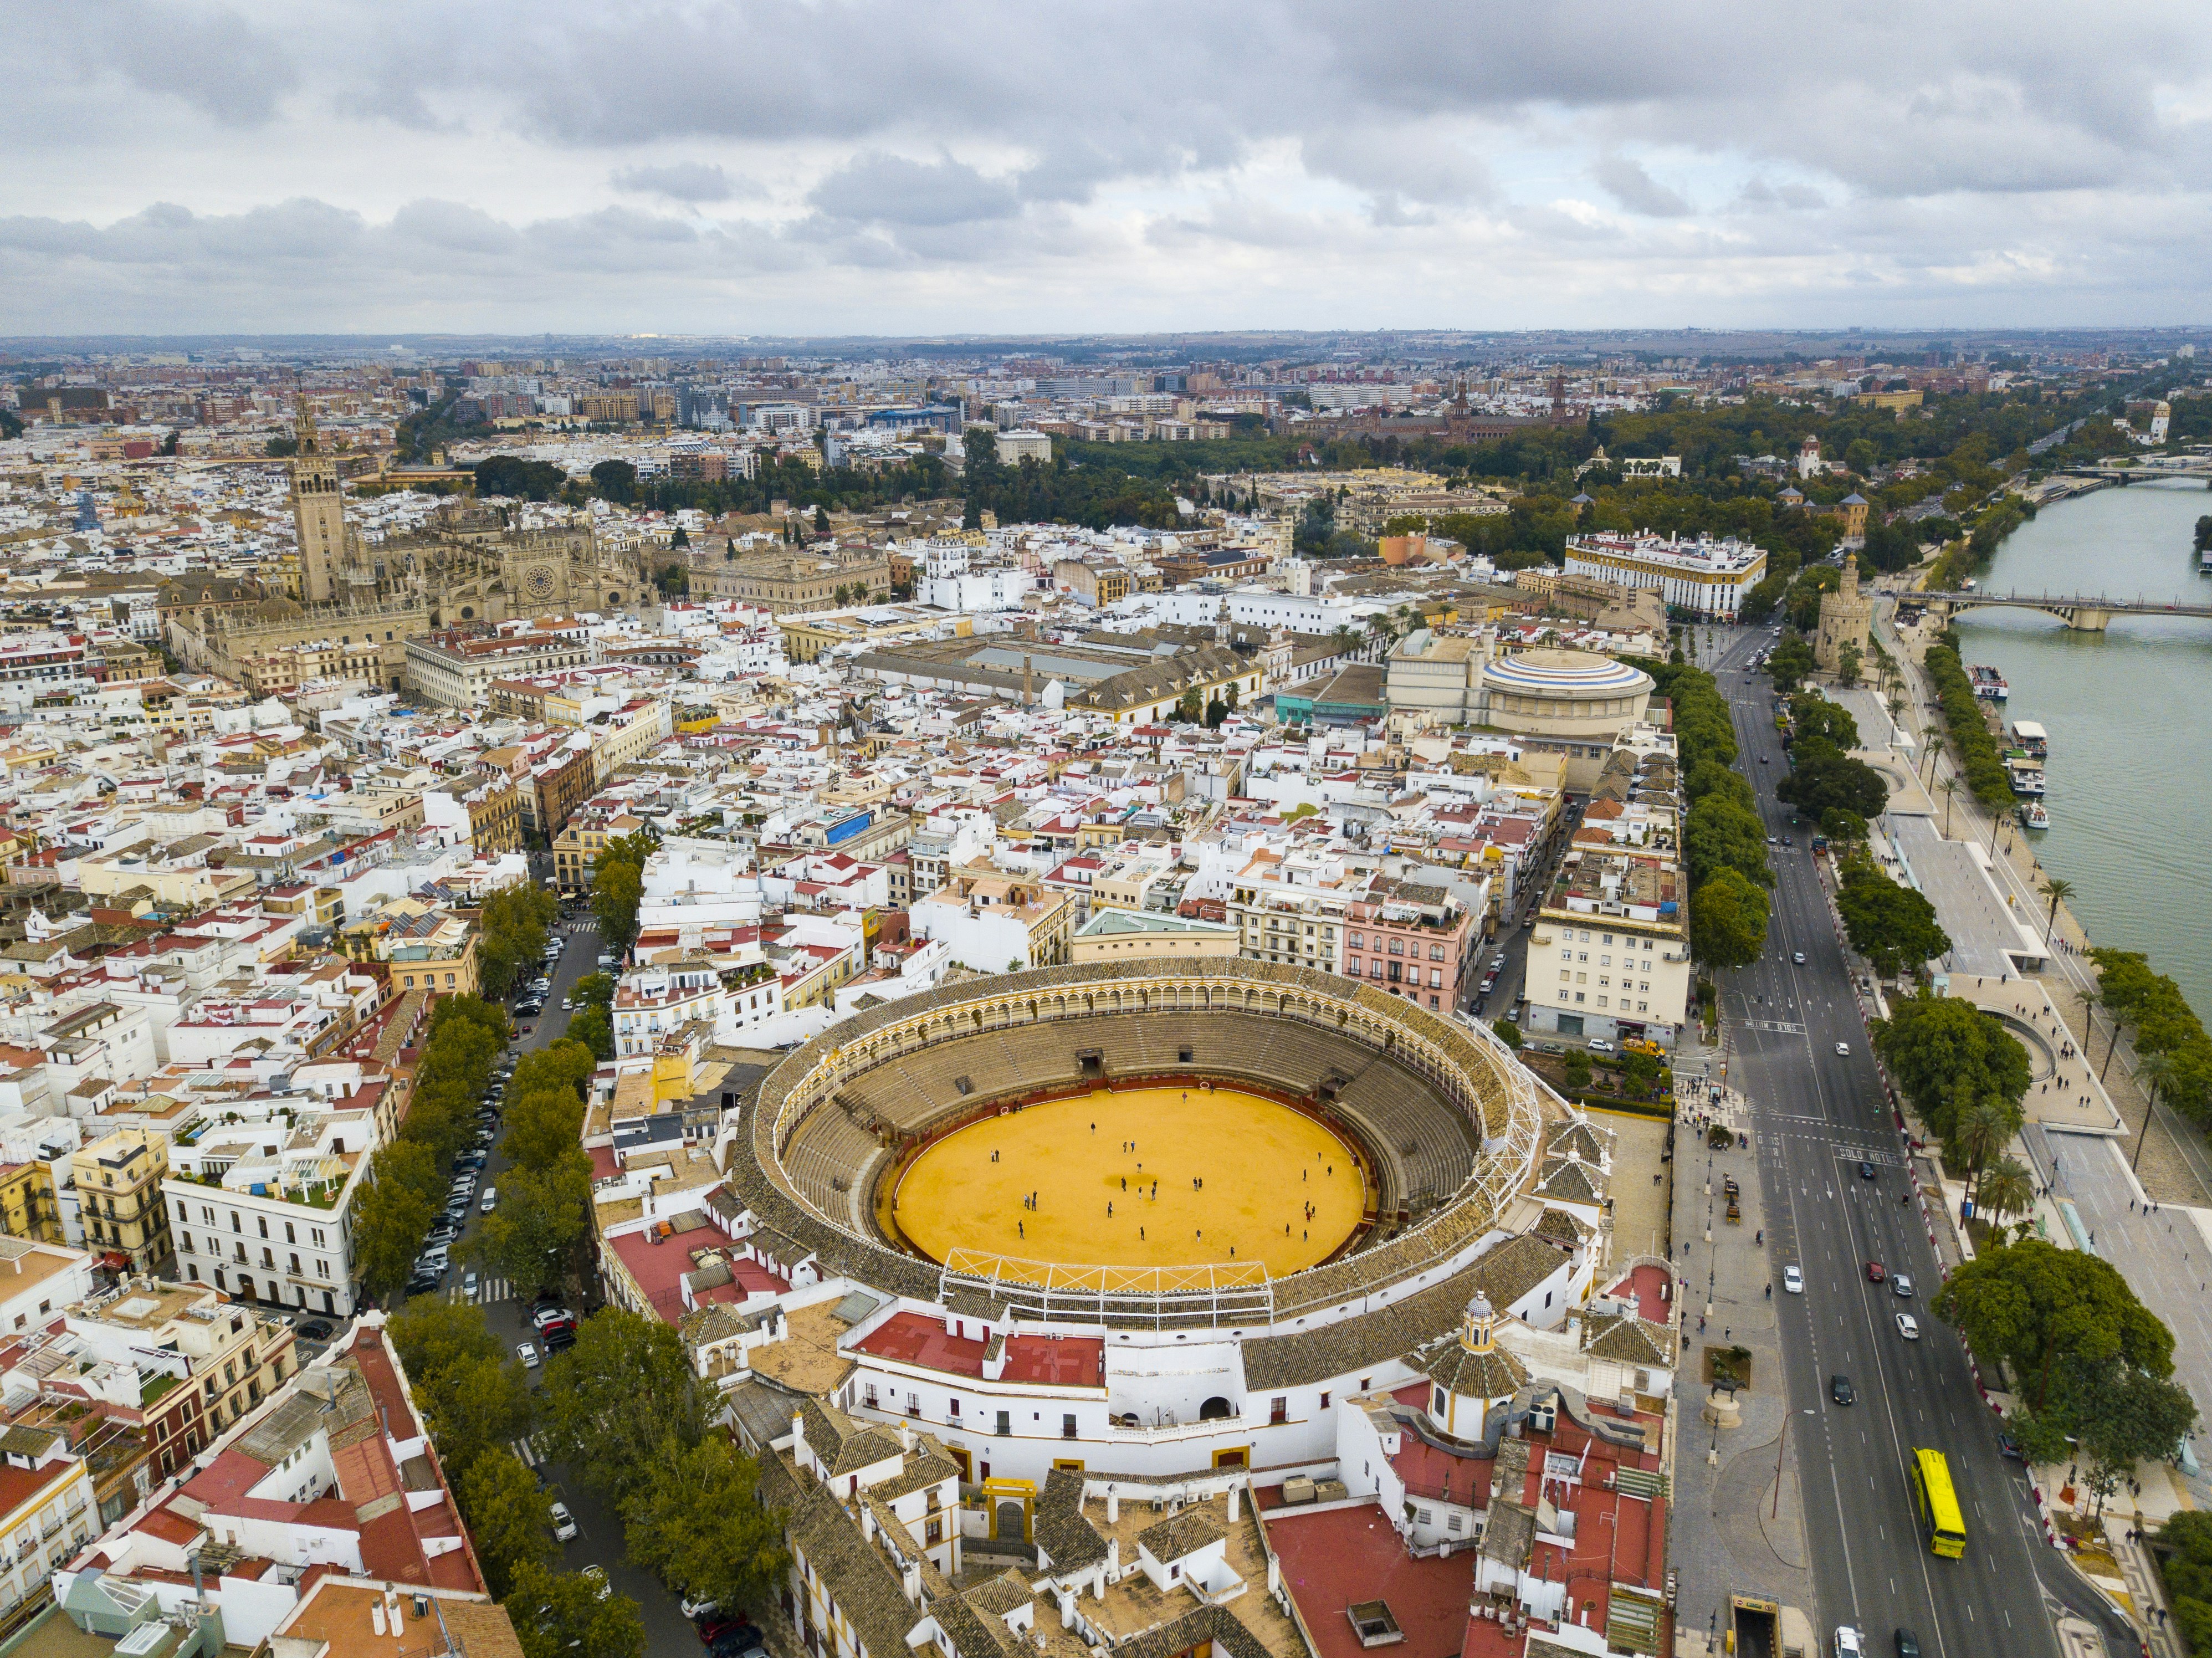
(315, 1330)
(2007, 1446)
(1908, 1644)
(422, 1284)
(717, 1629)
(1866, 1170)
(1840, 1390)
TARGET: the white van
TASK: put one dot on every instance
(490, 1200)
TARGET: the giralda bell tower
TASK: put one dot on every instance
(318, 513)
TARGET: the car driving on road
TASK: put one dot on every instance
(1908, 1327)
(1793, 1281)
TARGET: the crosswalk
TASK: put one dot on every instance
(488, 1291)
(527, 1452)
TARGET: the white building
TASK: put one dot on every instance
(1705, 576)
(264, 1210)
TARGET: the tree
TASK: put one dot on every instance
(1848, 662)
(698, 1525)
(1576, 1070)
(513, 924)
(1982, 1131)
(1728, 921)
(821, 520)
(2202, 542)
(531, 1237)
(432, 1337)
(1843, 827)
(1790, 661)
(2032, 1304)
(568, 1615)
(618, 886)
(617, 480)
(506, 1510)
(1812, 715)
(1216, 711)
(2058, 889)
(1722, 834)
(1822, 775)
(1508, 1032)
(391, 1217)
(1946, 1054)
(2007, 1190)
(1891, 924)
(613, 1398)
(522, 480)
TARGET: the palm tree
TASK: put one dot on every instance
(2154, 1069)
(2007, 1190)
(2121, 1013)
(1981, 1132)
(1950, 788)
(2058, 889)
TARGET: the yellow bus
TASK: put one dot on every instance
(1941, 1522)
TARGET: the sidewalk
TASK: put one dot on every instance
(1731, 1532)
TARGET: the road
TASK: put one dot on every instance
(599, 1540)
(1816, 1114)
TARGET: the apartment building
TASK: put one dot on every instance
(456, 669)
(47, 1513)
(1609, 955)
(36, 1278)
(182, 1361)
(1415, 941)
(263, 1210)
(118, 1187)
(996, 922)
(1292, 909)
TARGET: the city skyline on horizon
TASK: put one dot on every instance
(746, 171)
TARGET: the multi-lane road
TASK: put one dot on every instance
(1817, 1116)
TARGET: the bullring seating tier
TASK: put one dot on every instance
(1388, 1106)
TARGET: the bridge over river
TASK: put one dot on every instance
(2078, 611)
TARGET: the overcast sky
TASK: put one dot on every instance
(783, 167)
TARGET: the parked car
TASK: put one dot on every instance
(564, 1523)
(2007, 1446)
(599, 1577)
(560, 1337)
(697, 1611)
(527, 1354)
(314, 1330)
(490, 1200)
(1599, 1044)
(544, 1315)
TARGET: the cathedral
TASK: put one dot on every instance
(467, 568)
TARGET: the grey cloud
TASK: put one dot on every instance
(880, 189)
(207, 57)
(681, 181)
(1624, 178)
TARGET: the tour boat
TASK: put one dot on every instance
(2033, 815)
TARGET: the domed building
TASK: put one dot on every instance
(1470, 1377)
(1846, 616)
(1575, 703)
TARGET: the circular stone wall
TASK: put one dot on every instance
(1138, 1176)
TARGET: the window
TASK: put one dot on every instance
(289, 1238)
(1067, 1426)
(1279, 1410)
(1436, 952)
(1397, 946)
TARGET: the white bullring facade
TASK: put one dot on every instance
(1705, 576)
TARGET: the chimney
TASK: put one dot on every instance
(376, 1616)
(1234, 1492)
(1113, 1506)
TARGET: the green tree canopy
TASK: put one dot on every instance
(698, 1525)
(1816, 716)
(508, 1519)
(565, 1615)
(2033, 1305)
(1893, 925)
(1946, 1054)
(524, 480)
(613, 1398)
(1789, 661)
(543, 1215)
(1822, 775)
(1728, 921)
(616, 479)
(1723, 834)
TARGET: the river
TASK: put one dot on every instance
(2127, 712)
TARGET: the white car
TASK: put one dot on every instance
(527, 1353)
(564, 1523)
(1847, 1643)
(1599, 1044)
(546, 1315)
(599, 1577)
(567, 1004)
(469, 1284)
(1908, 1327)
(490, 1200)
(1843, 1050)
(695, 1610)
(1793, 1280)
